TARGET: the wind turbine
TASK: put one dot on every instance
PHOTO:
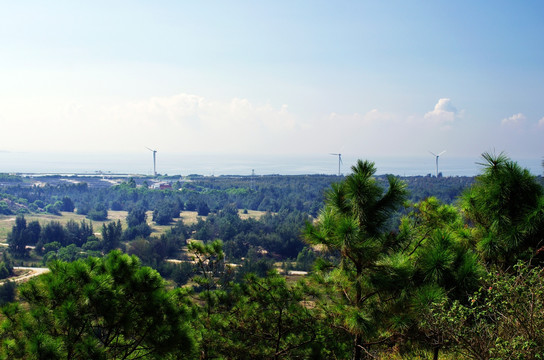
(154, 160)
(437, 156)
(339, 161)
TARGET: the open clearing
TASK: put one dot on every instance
(7, 222)
(188, 217)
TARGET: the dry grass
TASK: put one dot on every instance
(188, 217)
(191, 217)
(251, 214)
(7, 222)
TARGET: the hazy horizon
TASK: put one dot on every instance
(238, 164)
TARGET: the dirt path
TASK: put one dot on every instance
(27, 273)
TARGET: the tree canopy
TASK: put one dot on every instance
(98, 308)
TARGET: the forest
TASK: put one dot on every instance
(277, 267)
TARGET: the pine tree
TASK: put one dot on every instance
(353, 225)
(506, 205)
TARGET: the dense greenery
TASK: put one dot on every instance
(391, 277)
(271, 193)
(352, 226)
(109, 308)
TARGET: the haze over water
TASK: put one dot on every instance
(206, 164)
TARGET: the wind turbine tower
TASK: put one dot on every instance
(437, 156)
(154, 160)
(339, 162)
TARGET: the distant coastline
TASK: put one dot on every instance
(186, 164)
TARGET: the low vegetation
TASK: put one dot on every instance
(387, 276)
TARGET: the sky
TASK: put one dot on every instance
(364, 78)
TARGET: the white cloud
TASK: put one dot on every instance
(178, 123)
(189, 123)
(514, 120)
(443, 112)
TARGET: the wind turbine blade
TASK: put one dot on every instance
(433, 153)
(442, 152)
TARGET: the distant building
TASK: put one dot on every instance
(161, 185)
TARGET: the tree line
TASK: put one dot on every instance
(463, 280)
(271, 193)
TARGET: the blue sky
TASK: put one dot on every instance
(365, 78)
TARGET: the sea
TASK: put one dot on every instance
(225, 164)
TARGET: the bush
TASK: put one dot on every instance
(67, 204)
(141, 230)
(83, 209)
(165, 212)
(7, 292)
(4, 208)
(93, 245)
(501, 320)
(99, 213)
(203, 209)
(52, 209)
(4, 272)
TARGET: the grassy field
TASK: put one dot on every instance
(188, 217)
(7, 222)
(251, 214)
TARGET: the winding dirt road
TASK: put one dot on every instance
(27, 273)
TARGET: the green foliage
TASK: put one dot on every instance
(137, 224)
(93, 245)
(278, 234)
(83, 208)
(108, 308)
(142, 230)
(10, 178)
(260, 318)
(6, 266)
(305, 259)
(99, 213)
(436, 238)
(180, 273)
(255, 263)
(19, 237)
(209, 263)
(7, 292)
(111, 235)
(136, 216)
(78, 234)
(372, 288)
(268, 319)
(353, 226)
(4, 208)
(209, 270)
(203, 209)
(436, 254)
(52, 246)
(53, 231)
(502, 320)
(34, 230)
(506, 204)
(67, 204)
(53, 208)
(165, 212)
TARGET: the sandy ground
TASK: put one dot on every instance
(26, 273)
